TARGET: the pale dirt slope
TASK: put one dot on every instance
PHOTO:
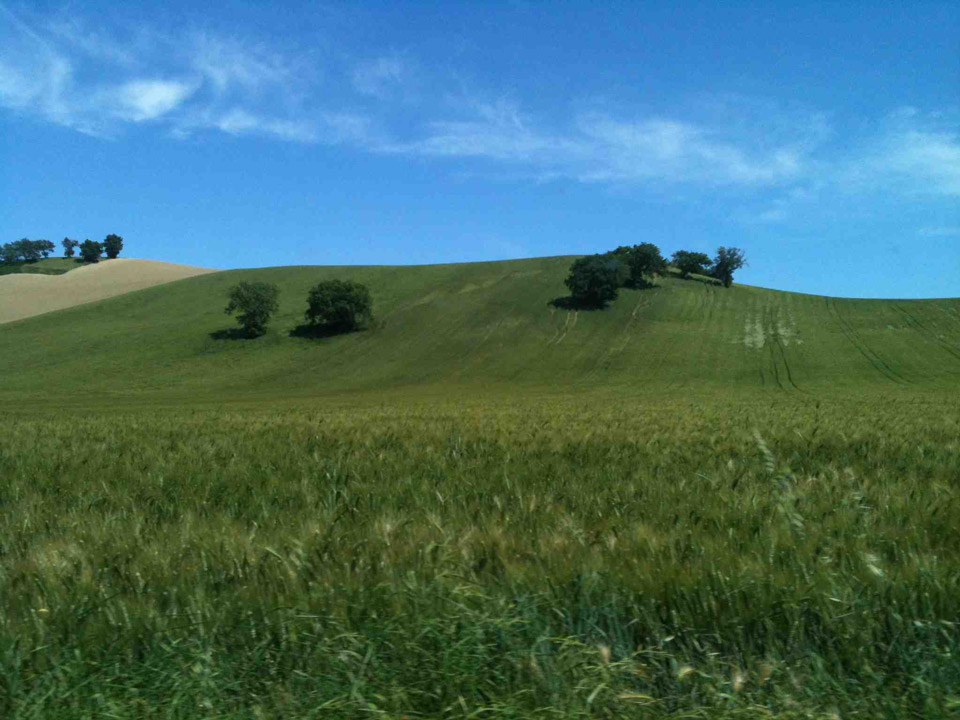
(26, 295)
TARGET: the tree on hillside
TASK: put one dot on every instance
(45, 247)
(254, 304)
(727, 262)
(8, 253)
(644, 260)
(90, 251)
(69, 246)
(27, 250)
(339, 305)
(691, 262)
(112, 245)
(595, 279)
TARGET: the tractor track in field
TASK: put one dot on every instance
(778, 341)
(562, 331)
(876, 362)
(927, 332)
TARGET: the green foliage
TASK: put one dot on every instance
(688, 262)
(582, 556)
(727, 262)
(594, 280)
(339, 305)
(25, 250)
(644, 261)
(254, 303)
(112, 245)
(90, 251)
(69, 247)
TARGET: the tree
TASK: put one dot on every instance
(27, 250)
(90, 251)
(69, 246)
(255, 302)
(112, 245)
(8, 253)
(45, 247)
(727, 262)
(340, 305)
(691, 262)
(594, 280)
(644, 260)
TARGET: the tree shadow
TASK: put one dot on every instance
(231, 334)
(642, 285)
(318, 332)
(701, 279)
(571, 303)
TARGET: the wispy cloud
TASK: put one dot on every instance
(381, 76)
(198, 81)
(141, 100)
(917, 153)
(95, 83)
(596, 147)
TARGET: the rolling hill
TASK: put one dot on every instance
(477, 328)
(58, 283)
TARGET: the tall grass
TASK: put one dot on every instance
(540, 559)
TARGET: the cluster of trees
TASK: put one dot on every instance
(596, 279)
(332, 306)
(91, 251)
(25, 250)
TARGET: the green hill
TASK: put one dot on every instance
(47, 266)
(481, 327)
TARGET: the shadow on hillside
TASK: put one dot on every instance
(318, 332)
(571, 303)
(700, 279)
(231, 334)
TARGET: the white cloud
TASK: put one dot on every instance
(911, 152)
(783, 159)
(599, 148)
(931, 159)
(140, 100)
(227, 62)
(61, 71)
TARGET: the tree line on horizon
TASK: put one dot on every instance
(30, 251)
(595, 280)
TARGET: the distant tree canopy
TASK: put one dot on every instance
(691, 262)
(340, 305)
(25, 250)
(727, 262)
(90, 251)
(644, 261)
(112, 245)
(595, 279)
(254, 304)
(28, 251)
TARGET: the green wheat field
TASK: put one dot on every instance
(697, 503)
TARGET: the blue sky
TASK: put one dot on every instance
(823, 139)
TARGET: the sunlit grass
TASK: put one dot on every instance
(517, 559)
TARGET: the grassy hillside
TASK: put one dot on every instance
(47, 266)
(483, 326)
(698, 502)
